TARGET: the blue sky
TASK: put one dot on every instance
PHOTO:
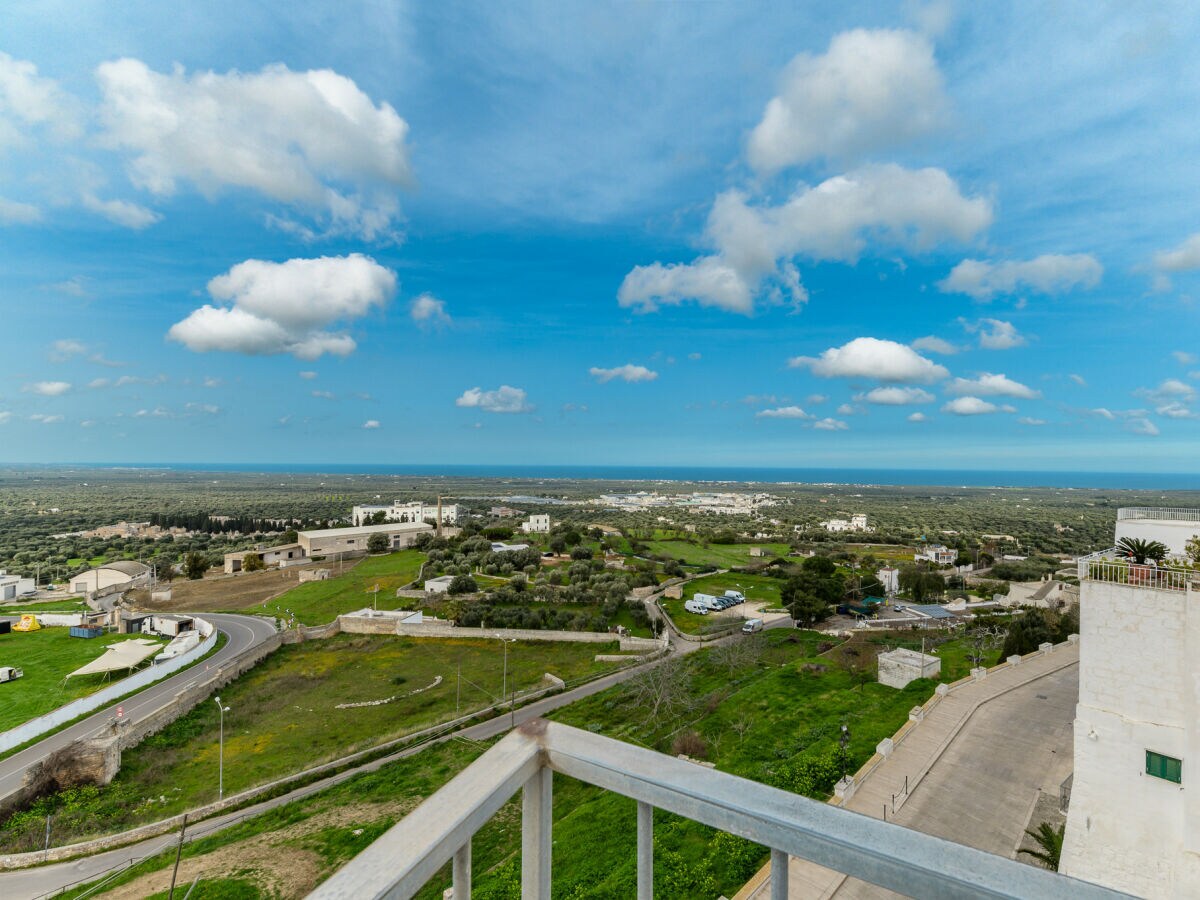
(880, 235)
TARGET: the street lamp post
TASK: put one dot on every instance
(844, 743)
(504, 684)
(221, 751)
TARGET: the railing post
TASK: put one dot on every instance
(462, 872)
(537, 827)
(645, 851)
(779, 875)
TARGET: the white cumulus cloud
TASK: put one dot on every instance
(754, 245)
(870, 90)
(830, 425)
(429, 312)
(628, 372)
(918, 417)
(932, 344)
(505, 399)
(992, 385)
(1183, 257)
(311, 140)
(895, 396)
(1142, 426)
(969, 406)
(13, 212)
(121, 212)
(995, 334)
(1048, 274)
(371, 424)
(867, 357)
(48, 388)
(284, 307)
(1171, 389)
(782, 412)
(1029, 420)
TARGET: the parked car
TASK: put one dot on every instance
(712, 602)
(736, 596)
(699, 607)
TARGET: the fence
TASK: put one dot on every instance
(1159, 513)
(1110, 566)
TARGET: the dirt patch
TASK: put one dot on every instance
(224, 592)
(272, 861)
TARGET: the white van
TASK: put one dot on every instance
(736, 595)
(699, 607)
(752, 625)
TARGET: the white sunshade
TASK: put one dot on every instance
(120, 656)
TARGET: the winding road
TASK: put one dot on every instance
(243, 632)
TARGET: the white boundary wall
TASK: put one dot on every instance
(14, 737)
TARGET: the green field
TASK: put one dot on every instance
(284, 718)
(318, 602)
(68, 605)
(721, 555)
(47, 656)
(774, 719)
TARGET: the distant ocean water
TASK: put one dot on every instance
(1154, 481)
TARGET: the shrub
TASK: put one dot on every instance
(690, 743)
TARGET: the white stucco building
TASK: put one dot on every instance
(537, 523)
(14, 586)
(937, 553)
(1134, 817)
(1173, 527)
(325, 541)
(416, 511)
(114, 575)
(889, 577)
(857, 522)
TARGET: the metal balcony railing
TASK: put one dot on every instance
(1111, 566)
(404, 858)
(1158, 513)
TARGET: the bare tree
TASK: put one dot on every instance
(741, 725)
(739, 652)
(982, 641)
(664, 688)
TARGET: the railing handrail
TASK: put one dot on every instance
(1115, 566)
(1160, 513)
(399, 862)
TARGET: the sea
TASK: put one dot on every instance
(1149, 481)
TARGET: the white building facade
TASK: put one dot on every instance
(537, 523)
(14, 586)
(1133, 824)
(416, 511)
(325, 541)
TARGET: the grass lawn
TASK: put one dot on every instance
(318, 602)
(284, 718)
(95, 561)
(721, 555)
(69, 605)
(47, 656)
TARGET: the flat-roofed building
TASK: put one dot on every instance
(283, 555)
(325, 541)
(416, 511)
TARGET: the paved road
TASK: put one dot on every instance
(243, 632)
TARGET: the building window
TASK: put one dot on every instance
(1166, 767)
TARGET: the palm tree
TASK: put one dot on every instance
(1141, 549)
(1050, 840)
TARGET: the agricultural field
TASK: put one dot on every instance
(318, 602)
(245, 592)
(284, 717)
(773, 716)
(723, 556)
(47, 657)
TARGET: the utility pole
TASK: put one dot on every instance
(47, 848)
(178, 853)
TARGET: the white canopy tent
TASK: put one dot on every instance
(120, 657)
